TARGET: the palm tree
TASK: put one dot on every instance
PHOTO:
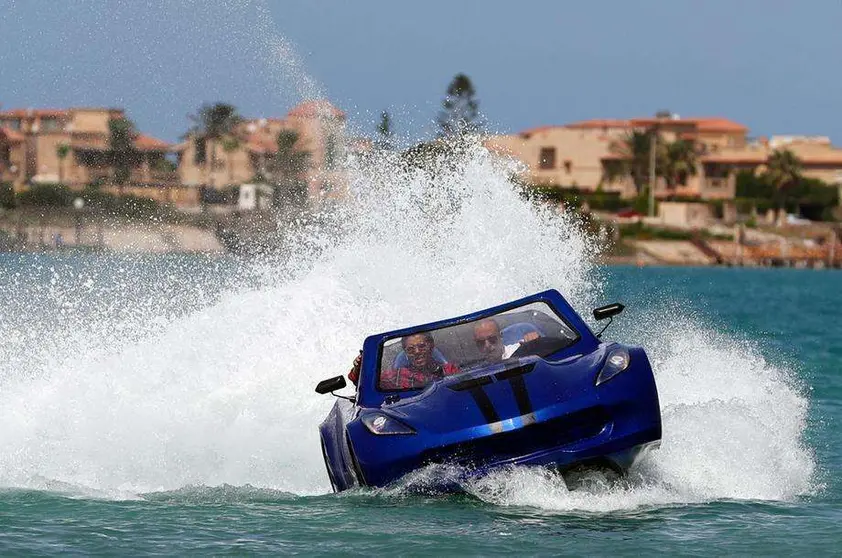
(230, 144)
(290, 164)
(212, 123)
(783, 170)
(122, 154)
(633, 151)
(679, 162)
(62, 151)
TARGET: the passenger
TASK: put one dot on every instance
(354, 373)
(422, 368)
(490, 342)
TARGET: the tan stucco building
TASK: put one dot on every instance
(321, 133)
(30, 140)
(578, 154)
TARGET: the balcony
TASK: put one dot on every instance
(719, 187)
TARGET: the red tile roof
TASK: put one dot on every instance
(719, 125)
(701, 124)
(705, 124)
(23, 113)
(315, 109)
(148, 143)
(12, 136)
(537, 129)
(599, 123)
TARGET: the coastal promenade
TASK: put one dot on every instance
(110, 237)
(728, 253)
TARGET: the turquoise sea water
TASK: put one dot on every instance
(98, 460)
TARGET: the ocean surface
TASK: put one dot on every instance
(100, 459)
(165, 404)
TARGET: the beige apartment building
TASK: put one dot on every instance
(578, 154)
(321, 133)
(30, 141)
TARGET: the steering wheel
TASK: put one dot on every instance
(542, 346)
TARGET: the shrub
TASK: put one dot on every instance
(810, 196)
(127, 205)
(640, 231)
(7, 195)
(46, 195)
(572, 196)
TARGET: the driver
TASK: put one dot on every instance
(422, 368)
(490, 342)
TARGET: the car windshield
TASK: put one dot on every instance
(416, 360)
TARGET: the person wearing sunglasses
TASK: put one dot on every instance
(422, 367)
(490, 342)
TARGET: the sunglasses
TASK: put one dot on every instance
(491, 340)
(412, 349)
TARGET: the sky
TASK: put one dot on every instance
(772, 65)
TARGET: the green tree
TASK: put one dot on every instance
(678, 162)
(230, 144)
(122, 154)
(460, 109)
(289, 166)
(62, 151)
(210, 124)
(384, 132)
(783, 170)
(632, 159)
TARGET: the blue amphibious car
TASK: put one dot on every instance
(524, 383)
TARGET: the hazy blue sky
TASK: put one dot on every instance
(773, 65)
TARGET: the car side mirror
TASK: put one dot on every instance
(331, 384)
(607, 311)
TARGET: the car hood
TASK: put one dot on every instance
(517, 388)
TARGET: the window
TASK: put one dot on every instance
(12, 123)
(414, 361)
(716, 170)
(568, 166)
(546, 160)
(50, 124)
(200, 153)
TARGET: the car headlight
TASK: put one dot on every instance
(383, 425)
(617, 361)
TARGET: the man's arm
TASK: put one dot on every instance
(531, 336)
(354, 373)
